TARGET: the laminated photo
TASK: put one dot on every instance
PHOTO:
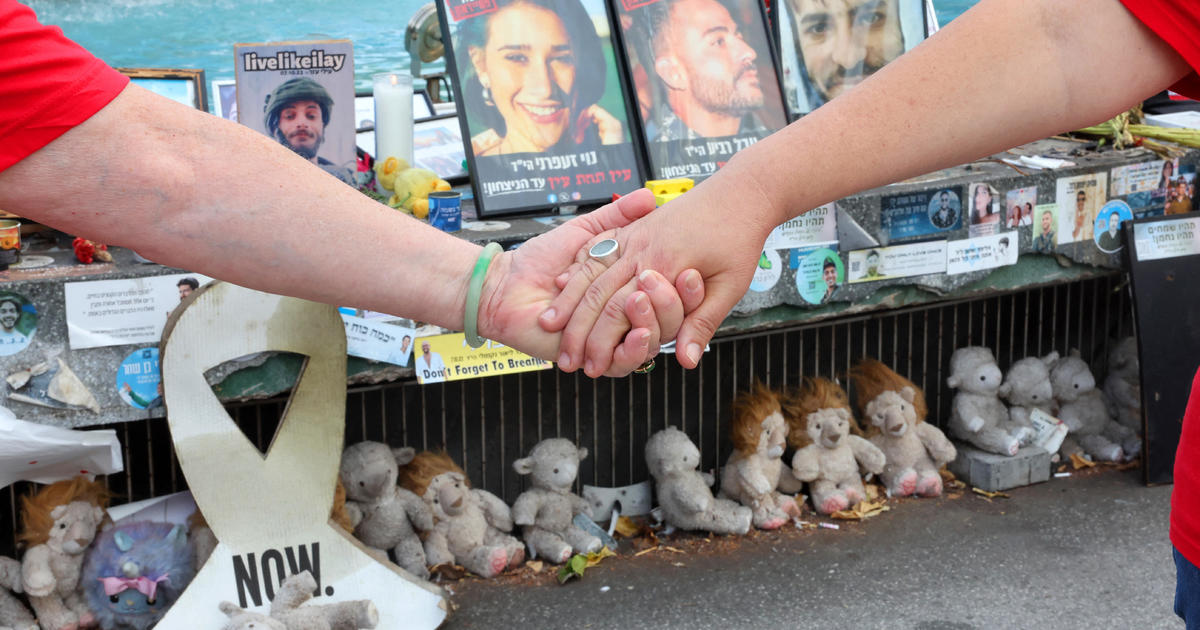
(1079, 199)
(920, 213)
(986, 218)
(1107, 230)
(543, 108)
(1181, 190)
(897, 261)
(301, 94)
(1018, 207)
(705, 78)
(1045, 233)
(982, 252)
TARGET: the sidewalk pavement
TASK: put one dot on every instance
(1089, 551)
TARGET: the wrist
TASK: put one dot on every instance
(765, 211)
(488, 325)
(475, 284)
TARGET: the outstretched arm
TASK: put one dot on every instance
(1004, 73)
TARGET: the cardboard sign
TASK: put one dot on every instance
(443, 358)
(1167, 239)
(271, 512)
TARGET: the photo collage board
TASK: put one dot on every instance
(568, 102)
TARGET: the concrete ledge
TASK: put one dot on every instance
(991, 472)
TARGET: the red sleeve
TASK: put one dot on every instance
(1178, 24)
(48, 84)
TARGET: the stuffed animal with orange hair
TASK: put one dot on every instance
(828, 455)
(895, 409)
(469, 524)
(754, 473)
(59, 522)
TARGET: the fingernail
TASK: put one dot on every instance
(693, 352)
(587, 368)
(549, 314)
(693, 282)
(644, 339)
(643, 305)
(564, 361)
(648, 280)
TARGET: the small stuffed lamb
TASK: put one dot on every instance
(385, 516)
(60, 522)
(546, 512)
(754, 473)
(683, 492)
(469, 523)
(1027, 387)
(13, 614)
(979, 417)
(828, 455)
(1124, 385)
(1084, 410)
(896, 410)
(288, 614)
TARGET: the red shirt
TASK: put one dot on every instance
(48, 84)
(1177, 22)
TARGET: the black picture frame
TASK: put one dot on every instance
(421, 99)
(588, 159)
(438, 146)
(802, 93)
(685, 126)
(182, 85)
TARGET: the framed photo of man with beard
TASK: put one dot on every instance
(828, 46)
(705, 78)
(543, 107)
(302, 95)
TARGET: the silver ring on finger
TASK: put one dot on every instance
(605, 251)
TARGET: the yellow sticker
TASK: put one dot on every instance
(448, 358)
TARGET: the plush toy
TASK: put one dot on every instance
(754, 473)
(469, 524)
(135, 571)
(1084, 410)
(546, 512)
(896, 410)
(1123, 385)
(287, 613)
(13, 614)
(683, 492)
(59, 522)
(1027, 387)
(410, 185)
(384, 515)
(978, 416)
(827, 455)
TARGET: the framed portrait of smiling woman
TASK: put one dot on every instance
(829, 46)
(543, 109)
(706, 80)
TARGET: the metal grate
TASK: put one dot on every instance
(485, 424)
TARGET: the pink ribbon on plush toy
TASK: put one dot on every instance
(143, 585)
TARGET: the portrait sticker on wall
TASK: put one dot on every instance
(981, 253)
(985, 215)
(1107, 230)
(1045, 228)
(829, 46)
(302, 95)
(921, 213)
(1018, 206)
(766, 274)
(543, 109)
(18, 322)
(706, 80)
(819, 273)
(129, 311)
(897, 261)
(1143, 177)
(1079, 198)
(139, 380)
(1181, 191)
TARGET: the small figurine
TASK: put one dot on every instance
(382, 514)
(546, 512)
(827, 454)
(13, 614)
(979, 417)
(469, 524)
(134, 572)
(1124, 385)
(1084, 410)
(896, 410)
(1027, 387)
(287, 613)
(59, 522)
(684, 493)
(754, 472)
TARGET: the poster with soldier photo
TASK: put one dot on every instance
(706, 80)
(542, 106)
(829, 46)
(302, 95)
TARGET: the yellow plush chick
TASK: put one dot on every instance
(412, 187)
(386, 171)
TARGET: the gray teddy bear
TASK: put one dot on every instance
(385, 516)
(979, 417)
(288, 614)
(546, 512)
(684, 493)
(1084, 410)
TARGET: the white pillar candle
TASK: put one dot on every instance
(393, 116)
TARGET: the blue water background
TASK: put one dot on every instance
(201, 33)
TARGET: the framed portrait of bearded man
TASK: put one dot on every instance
(705, 77)
(542, 105)
(828, 46)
